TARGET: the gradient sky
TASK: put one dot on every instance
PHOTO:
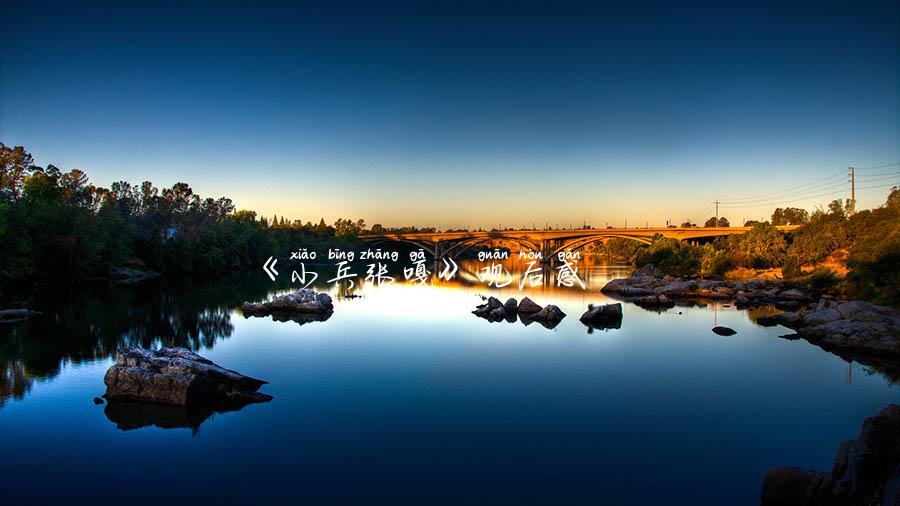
(452, 115)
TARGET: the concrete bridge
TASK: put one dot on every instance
(549, 242)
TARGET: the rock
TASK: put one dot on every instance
(491, 306)
(324, 300)
(653, 302)
(510, 305)
(863, 469)
(528, 306)
(819, 317)
(635, 291)
(599, 315)
(788, 486)
(854, 328)
(301, 301)
(648, 271)
(177, 376)
(724, 331)
(15, 315)
(793, 294)
(677, 289)
(497, 314)
(787, 305)
(98, 401)
(548, 313)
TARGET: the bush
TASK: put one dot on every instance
(791, 268)
(671, 256)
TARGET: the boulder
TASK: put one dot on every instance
(549, 313)
(677, 289)
(864, 469)
(490, 306)
(528, 306)
(793, 294)
(724, 331)
(511, 305)
(177, 376)
(301, 301)
(603, 314)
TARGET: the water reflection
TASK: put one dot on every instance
(91, 323)
(132, 415)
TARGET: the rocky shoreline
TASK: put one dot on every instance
(866, 470)
(852, 329)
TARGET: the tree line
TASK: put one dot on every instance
(867, 243)
(57, 226)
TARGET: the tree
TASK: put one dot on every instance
(711, 222)
(790, 216)
(688, 224)
(16, 165)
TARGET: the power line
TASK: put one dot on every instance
(793, 188)
(784, 195)
(879, 166)
(887, 177)
(766, 204)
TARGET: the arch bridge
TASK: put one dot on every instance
(549, 242)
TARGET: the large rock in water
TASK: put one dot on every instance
(608, 313)
(528, 306)
(548, 313)
(301, 301)
(865, 469)
(177, 376)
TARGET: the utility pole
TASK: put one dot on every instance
(717, 212)
(852, 191)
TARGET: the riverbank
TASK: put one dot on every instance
(853, 329)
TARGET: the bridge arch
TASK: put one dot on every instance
(463, 245)
(584, 241)
(425, 245)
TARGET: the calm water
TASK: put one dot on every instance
(403, 394)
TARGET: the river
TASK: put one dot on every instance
(404, 394)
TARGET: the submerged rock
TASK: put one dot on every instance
(302, 301)
(724, 331)
(177, 376)
(864, 470)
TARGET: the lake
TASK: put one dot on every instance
(403, 394)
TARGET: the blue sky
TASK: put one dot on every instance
(451, 115)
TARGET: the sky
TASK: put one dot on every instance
(465, 115)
